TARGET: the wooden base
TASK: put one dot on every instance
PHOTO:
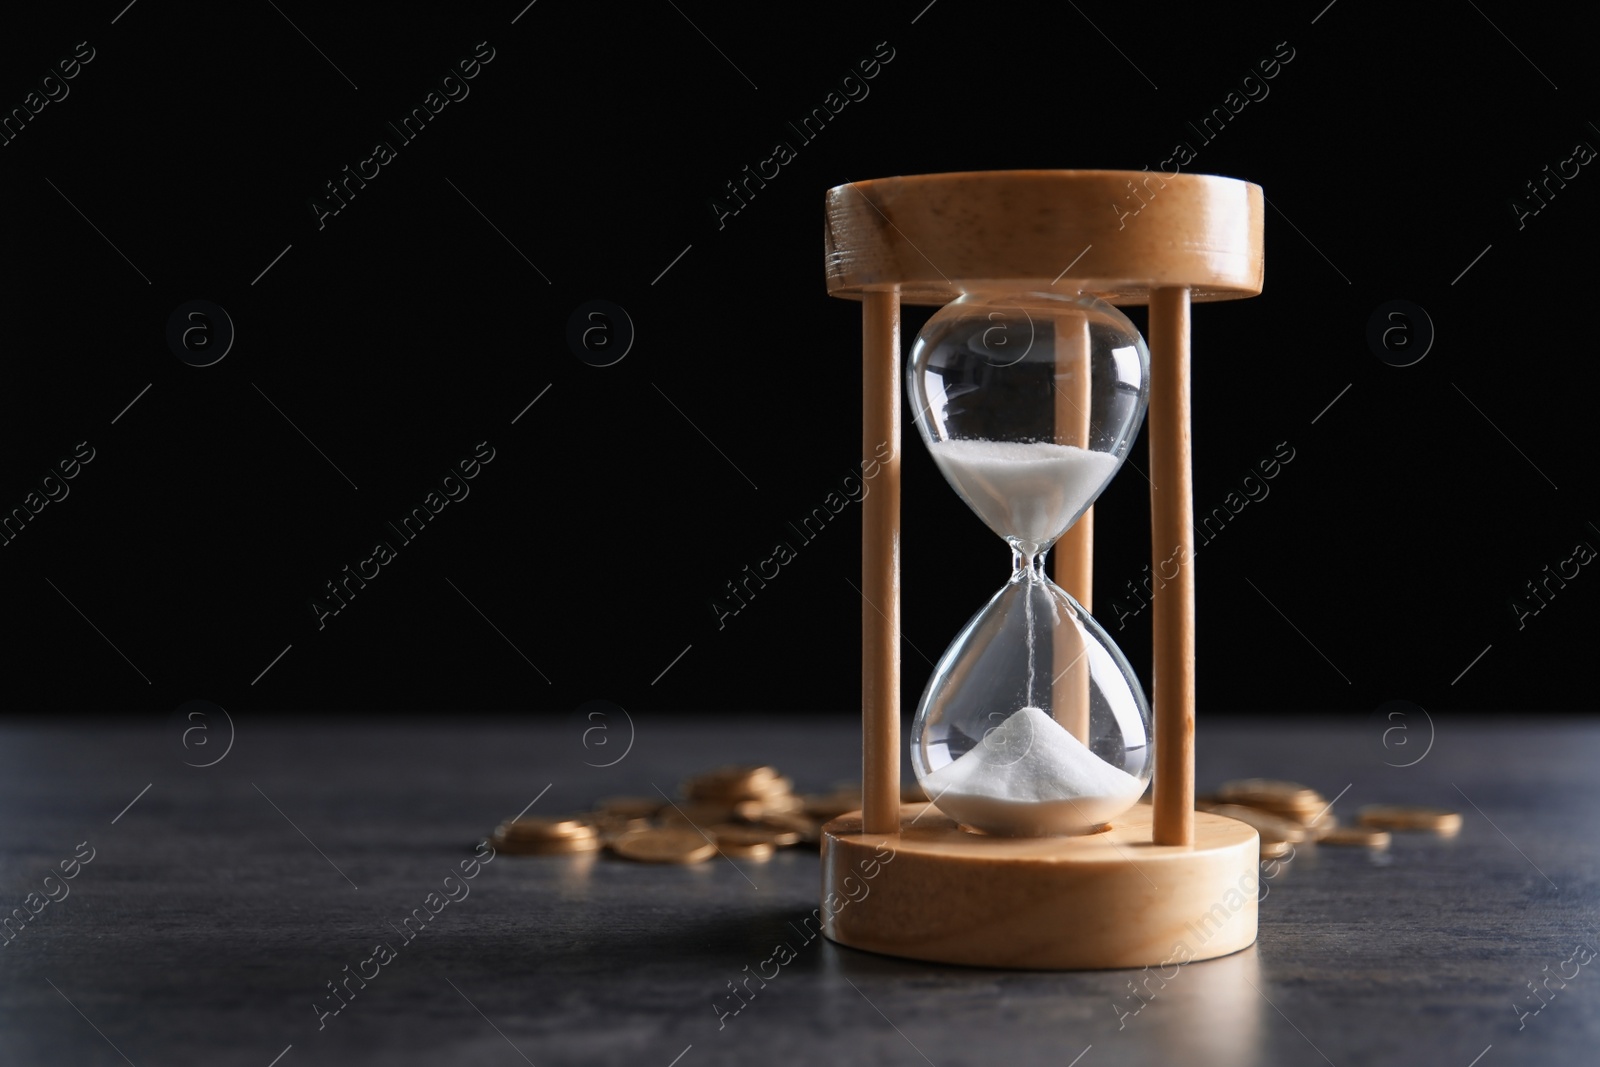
(1110, 899)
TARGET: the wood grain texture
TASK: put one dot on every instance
(1172, 537)
(1121, 233)
(1073, 556)
(1112, 899)
(880, 564)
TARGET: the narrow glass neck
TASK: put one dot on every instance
(1027, 561)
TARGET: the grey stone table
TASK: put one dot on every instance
(211, 908)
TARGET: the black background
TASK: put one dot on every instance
(414, 324)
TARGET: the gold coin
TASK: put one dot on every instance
(1273, 797)
(831, 805)
(631, 807)
(753, 773)
(739, 794)
(807, 831)
(1235, 787)
(736, 783)
(1275, 850)
(1308, 817)
(1269, 826)
(613, 826)
(1363, 836)
(665, 845)
(531, 828)
(1324, 825)
(1305, 814)
(555, 846)
(1270, 790)
(757, 850)
(695, 814)
(1408, 817)
(740, 836)
(780, 838)
(745, 842)
(778, 803)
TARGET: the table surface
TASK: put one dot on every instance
(217, 907)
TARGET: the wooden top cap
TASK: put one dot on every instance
(1117, 234)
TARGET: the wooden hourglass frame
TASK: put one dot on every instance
(1163, 883)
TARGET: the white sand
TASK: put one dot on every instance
(1030, 777)
(1025, 490)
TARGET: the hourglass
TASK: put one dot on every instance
(1033, 723)
(1033, 740)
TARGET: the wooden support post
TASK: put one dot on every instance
(1074, 552)
(1074, 561)
(880, 566)
(1172, 535)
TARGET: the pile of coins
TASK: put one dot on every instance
(1288, 813)
(749, 812)
(741, 812)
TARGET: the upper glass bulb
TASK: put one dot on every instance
(1028, 403)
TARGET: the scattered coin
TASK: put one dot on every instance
(1275, 850)
(1263, 788)
(741, 835)
(743, 842)
(1324, 825)
(549, 848)
(533, 828)
(614, 826)
(528, 844)
(808, 831)
(631, 807)
(1269, 826)
(695, 814)
(1407, 817)
(665, 845)
(1288, 799)
(827, 806)
(730, 784)
(1305, 816)
(778, 803)
(1361, 836)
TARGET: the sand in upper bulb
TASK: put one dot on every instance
(1029, 490)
